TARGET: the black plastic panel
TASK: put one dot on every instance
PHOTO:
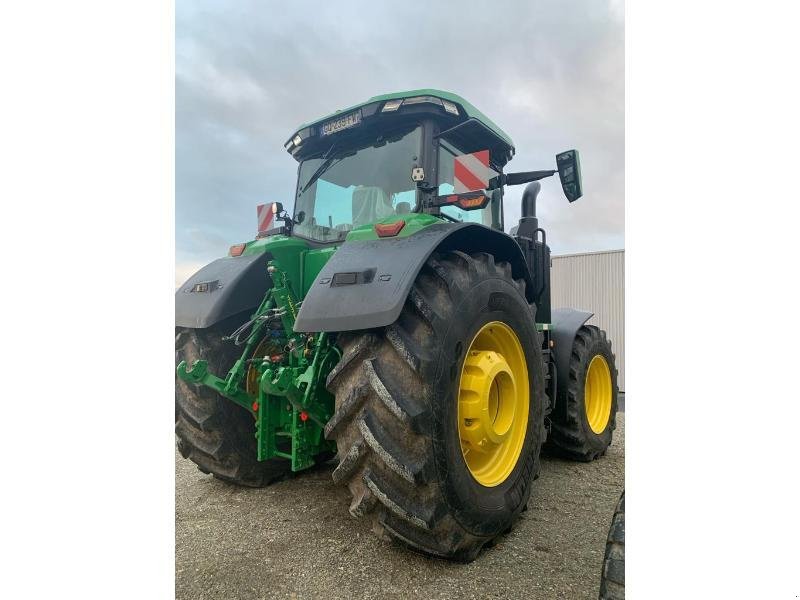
(537, 257)
(376, 301)
(565, 324)
(221, 289)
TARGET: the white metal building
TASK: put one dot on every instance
(595, 281)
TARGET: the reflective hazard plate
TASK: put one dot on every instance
(341, 123)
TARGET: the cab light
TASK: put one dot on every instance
(297, 140)
(450, 107)
(237, 249)
(389, 229)
(391, 105)
(423, 100)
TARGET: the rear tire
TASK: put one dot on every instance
(213, 432)
(612, 578)
(572, 435)
(396, 423)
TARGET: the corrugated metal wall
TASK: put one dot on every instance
(595, 281)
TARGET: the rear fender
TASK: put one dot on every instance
(565, 324)
(222, 289)
(366, 282)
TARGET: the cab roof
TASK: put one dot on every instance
(466, 111)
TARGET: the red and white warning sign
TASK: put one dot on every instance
(265, 215)
(471, 172)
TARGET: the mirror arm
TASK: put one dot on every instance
(518, 178)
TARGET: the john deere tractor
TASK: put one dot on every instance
(389, 321)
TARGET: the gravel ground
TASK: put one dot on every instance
(295, 539)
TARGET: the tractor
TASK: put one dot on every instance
(390, 322)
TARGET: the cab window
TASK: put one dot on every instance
(447, 154)
(357, 186)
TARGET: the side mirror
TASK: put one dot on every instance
(569, 171)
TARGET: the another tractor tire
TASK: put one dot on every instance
(213, 432)
(586, 411)
(612, 578)
(400, 392)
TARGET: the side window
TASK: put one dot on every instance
(447, 155)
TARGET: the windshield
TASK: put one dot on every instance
(350, 187)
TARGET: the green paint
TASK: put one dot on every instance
(313, 261)
(198, 374)
(301, 262)
(291, 405)
(414, 223)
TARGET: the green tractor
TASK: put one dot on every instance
(390, 322)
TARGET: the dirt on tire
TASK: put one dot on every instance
(395, 391)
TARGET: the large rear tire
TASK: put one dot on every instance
(612, 577)
(400, 395)
(586, 412)
(213, 432)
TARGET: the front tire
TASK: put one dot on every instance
(397, 419)
(586, 413)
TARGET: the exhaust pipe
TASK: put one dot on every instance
(529, 199)
(528, 224)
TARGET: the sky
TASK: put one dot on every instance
(550, 73)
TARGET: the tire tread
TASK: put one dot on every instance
(213, 432)
(382, 419)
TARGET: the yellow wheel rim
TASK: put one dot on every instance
(493, 398)
(597, 394)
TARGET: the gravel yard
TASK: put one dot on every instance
(295, 539)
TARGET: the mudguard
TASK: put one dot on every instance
(221, 289)
(365, 284)
(566, 322)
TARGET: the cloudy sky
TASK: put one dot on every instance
(549, 72)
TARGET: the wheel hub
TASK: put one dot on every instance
(485, 410)
(493, 404)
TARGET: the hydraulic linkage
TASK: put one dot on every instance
(279, 378)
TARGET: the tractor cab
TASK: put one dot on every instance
(421, 151)
(396, 155)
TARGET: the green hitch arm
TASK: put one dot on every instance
(199, 375)
(282, 382)
(236, 375)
